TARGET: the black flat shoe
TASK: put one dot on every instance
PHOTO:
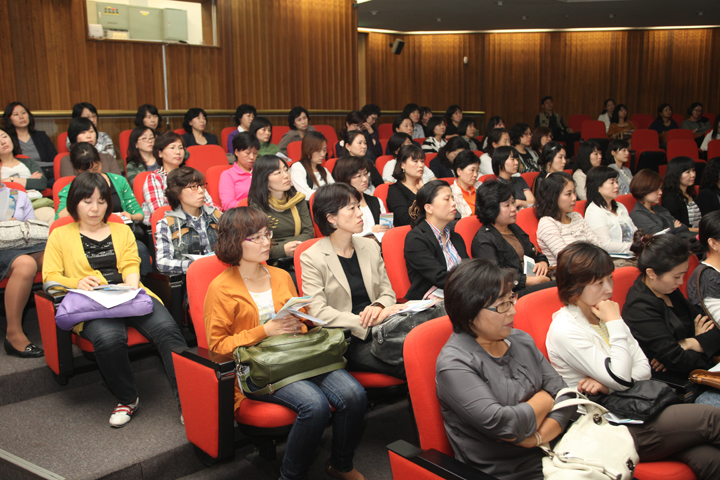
(31, 350)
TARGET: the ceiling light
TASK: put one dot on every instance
(439, 19)
(499, 4)
(374, 12)
(701, 13)
(524, 17)
(612, 15)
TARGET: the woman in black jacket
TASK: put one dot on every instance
(501, 241)
(20, 123)
(679, 192)
(353, 171)
(671, 332)
(708, 200)
(408, 173)
(431, 248)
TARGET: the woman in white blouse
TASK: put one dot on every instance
(308, 174)
(608, 219)
(353, 171)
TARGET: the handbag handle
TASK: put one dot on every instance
(579, 400)
(702, 300)
(619, 380)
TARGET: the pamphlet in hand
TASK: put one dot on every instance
(414, 306)
(628, 256)
(293, 306)
(197, 257)
(386, 219)
(113, 288)
(528, 266)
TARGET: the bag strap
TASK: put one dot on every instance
(48, 287)
(702, 300)
(619, 380)
(270, 388)
(579, 400)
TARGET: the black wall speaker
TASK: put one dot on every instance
(397, 46)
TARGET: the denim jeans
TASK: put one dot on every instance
(109, 338)
(311, 399)
(709, 396)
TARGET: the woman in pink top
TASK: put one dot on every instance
(235, 182)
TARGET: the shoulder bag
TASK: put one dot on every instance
(583, 452)
(283, 359)
(16, 234)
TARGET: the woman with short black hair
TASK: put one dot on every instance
(466, 168)
(664, 123)
(148, 116)
(588, 157)
(234, 183)
(618, 155)
(412, 111)
(437, 128)
(695, 121)
(244, 115)
(353, 171)
(708, 200)
(647, 214)
(467, 130)
(552, 160)
(24, 171)
(425, 116)
(453, 116)
(499, 137)
(194, 123)
(442, 165)
(408, 173)
(521, 139)
(299, 123)
(261, 127)
(679, 192)
(82, 129)
(19, 122)
(103, 142)
(493, 123)
(356, 121)
(505, 165)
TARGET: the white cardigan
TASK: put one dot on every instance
(606, 226)
(577, 351)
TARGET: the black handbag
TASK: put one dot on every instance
(641, 401)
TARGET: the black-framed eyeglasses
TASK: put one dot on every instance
(504, 307)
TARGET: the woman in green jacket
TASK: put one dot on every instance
(261, 127)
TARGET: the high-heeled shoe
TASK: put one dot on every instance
(31, 350)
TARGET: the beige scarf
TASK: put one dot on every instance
(290, 203)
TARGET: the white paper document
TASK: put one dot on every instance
(528, 266)
(415, 306)
(293, 306)
(109, 298)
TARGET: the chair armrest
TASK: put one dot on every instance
(435, 463)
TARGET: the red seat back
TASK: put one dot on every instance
(682, 148)
(713, 149)
(59, 184)
(277, 134)
(580, 207)
(645, 139)
(576, 121)
(420, 141)
(199, 275)
(383, 144)
(623, 279)
(678, 118)
(429, 156)
(420, 351)
(180, 131)
(203, 157)
(628, 200)
(157, 215)
(393, 249)
(56, 163)
(124, 144)
(316, 229)
(449, 180)
(487, 178)
(296, 260)
(62, 143)
(381, 161)
(710, 117)
(530, 177)
(224, 135)
(527, 220)
(642, 120)
(381, 192)
(330, 135)
(212, 178)
(593, 129)
(294, 150)
(14, 186)
(138, 183)
(467, 228)
(385, 130)
(693, 264)
(680, 134)
(534, 314)
(330, 164)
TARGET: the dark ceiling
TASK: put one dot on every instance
(423, 15)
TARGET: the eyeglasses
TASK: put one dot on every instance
(358, 176)
(504, 307)
(195, 186)
(147, 139)
(260, 237)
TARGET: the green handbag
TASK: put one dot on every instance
(283, 359)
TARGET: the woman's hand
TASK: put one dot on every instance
(88, 283)
(290, 248)
(703, 324)
(536, 280)
(36, 175)
(677, 224)
(657, 366)
(369, 316)
(590, 386)
(607, 311)
(541, 269)
(289, 324)
(380, 228)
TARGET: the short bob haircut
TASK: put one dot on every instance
(242, 110)
(234, 227)
(464, 124)
(329, 200)
(711, 174)
(84, 186)
(410, 108)
(433, 123)
(452, 110)
(537, 137)
(177, 180)
(425, 196)
(709, 228)
(83, 156)
(396, 141)
(190, 115)
(579, 265)
(8, 123)
(163, 140)
(455, 143)
(644, 183)
(133, 155)
(671, 183)
(244, 141)
(79, 125)
(500, 156)
(488, 198)
(517, 132)
(78, 108)
(260, 123)
(262, 169)
(14, 139)
(347, 167)
(662, 253)
(463, 160)
(294, 114)
(660, 109)
(406, 152)
(548, 193)
(615, 146)
(549, 152)
(495, 136)
(398, 121)
(595, 179)
(492, 123)
(472, 286)
(371, 109)
(144, 110)
(582, 161)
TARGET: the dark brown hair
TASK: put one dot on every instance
(163, 140)
(348, 166)
(579, 265)
(235, 226)
(329, 199)
(177, 180)
(644, 183)
(84, 186)
(311, 143)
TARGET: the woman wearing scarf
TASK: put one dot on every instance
(272, 192)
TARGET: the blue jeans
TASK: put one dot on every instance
(109, 337)
(311, 399)
(710, 396)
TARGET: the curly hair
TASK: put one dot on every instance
(235, 226)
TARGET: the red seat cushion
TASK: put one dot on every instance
(375, 380)
(263, 414)
(664, 471)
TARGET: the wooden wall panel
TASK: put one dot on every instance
(508, 73)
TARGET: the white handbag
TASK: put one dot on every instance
(592, 448)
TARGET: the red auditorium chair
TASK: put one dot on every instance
(176, 283)
(393, 248)
(419, 141)
(381, 192)
(648, 154)
(124, 145)
(680, 134)
(56, 163)
(480, 139)
(277, 134)
(434, 460)
(59, 184)
(384, 143)
(576, 121)
(487, 178)
(449, 180)
(642, 120)
(530, 177)
(682, 148)
(662, 169)
(580, 207)
(138, 183)
(15, 186)
(692, 265)
(206, 383)
(382, 160)
(593, 129)
(296, 260)
(330, 135)
(224, 135)
(534, 316)
(678, 119)
(180, 131)
(710, 117)
(294, 151)
(316, 229)
(212, 178)
(62, 143)
(385, 131)
(527, 220)
(330, 164)
(713, 149)
(429, 157)
(58, 343)
(203, 157)
(467, 228)
(628, 200)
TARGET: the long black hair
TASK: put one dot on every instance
(595, 179)
(675, 169)
(262, 169)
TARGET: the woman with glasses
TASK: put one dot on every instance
(496, 389)
(240, 310)
(521, 140)
(353, 171)
(190, 228)
(140, 156)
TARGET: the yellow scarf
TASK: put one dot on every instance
(290, 203)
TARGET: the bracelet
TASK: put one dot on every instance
(538, 439)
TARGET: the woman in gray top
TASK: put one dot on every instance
(618, 155)
(647, 214)
(496, 390)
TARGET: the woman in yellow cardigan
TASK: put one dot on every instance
(92, 252)
(239, 309)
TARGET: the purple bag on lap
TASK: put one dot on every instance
(76, 308)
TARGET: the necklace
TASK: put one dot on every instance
(257, 277)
